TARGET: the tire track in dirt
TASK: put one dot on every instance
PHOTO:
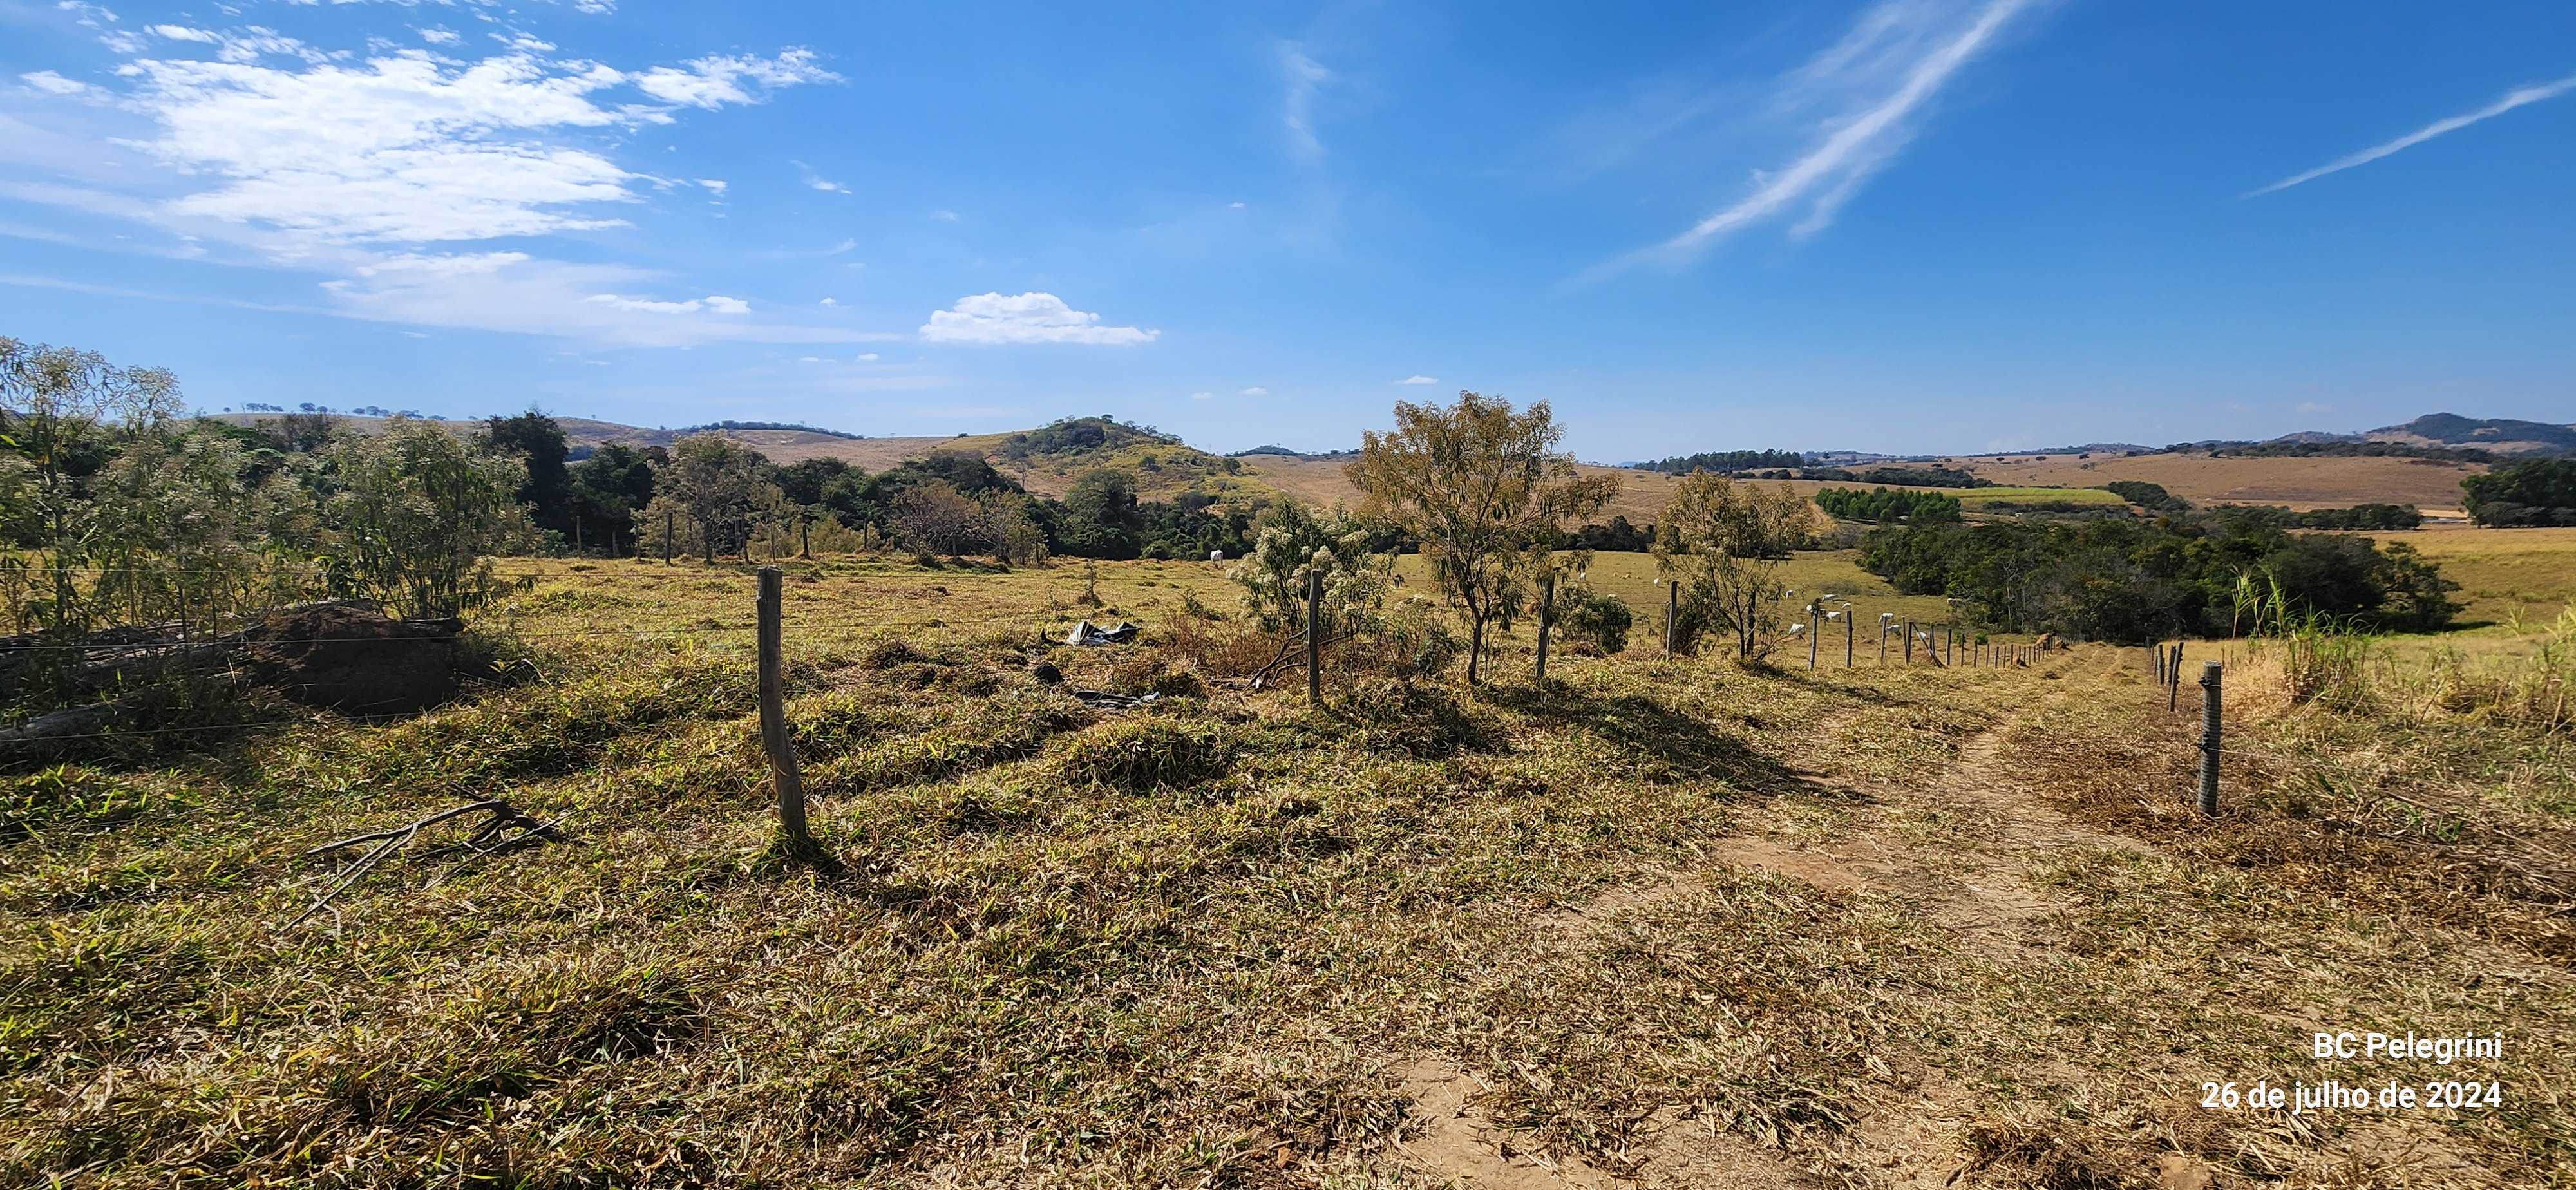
(1976, 883)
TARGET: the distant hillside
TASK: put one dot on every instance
(2503, 435)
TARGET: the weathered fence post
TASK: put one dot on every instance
(1909, 642)
(2210, 674)
(2173, 689)
(774, 736)
(804, 539)
(1546, 616)
(1815, 629)
(1314, 635)
(666, 537)
(1672, 612)
(1850, 634)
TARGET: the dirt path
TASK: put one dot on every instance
(1958, 844)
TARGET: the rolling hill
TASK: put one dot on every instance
(1164, 466)
(2503, 435)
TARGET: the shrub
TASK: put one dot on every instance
(1595, 617)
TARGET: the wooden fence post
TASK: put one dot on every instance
(1314, 635)
(1672, 612)
(1909, 642)
(804, 539)
(666, 537)
(1815, 629)
(1546, 616)
(1850, 634)
(774, 736)
(2210, 675)
(2173, 689)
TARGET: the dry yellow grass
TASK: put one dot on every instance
(1684, 922)
(2291, 482)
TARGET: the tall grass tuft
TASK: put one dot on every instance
(2320, 660)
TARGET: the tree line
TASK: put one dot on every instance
(2528, 494)
(2134, 581)
(1887, 505)
(1725, 462)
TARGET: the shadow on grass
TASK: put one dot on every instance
(1676, 745)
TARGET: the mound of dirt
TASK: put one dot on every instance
(348, 656)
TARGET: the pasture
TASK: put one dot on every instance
(2297, 483)
(1664, 922)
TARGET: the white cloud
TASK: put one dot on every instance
(1025, 318)
(53, 84)
(406, 148)
(817, 181)
(944, 215)
(809, 359)
(246, 44)
(516, 293)
(1201, 396)
(716, 81)
(712, 304)
(842, 247)
(1234, 206)
(2512, 99)
(347, 170)
(1301, 76)
(830, 302)
(867, 357)
(716, 185)
(1862, 94)
(437, 36)
(1418, 378)
(1256, 391)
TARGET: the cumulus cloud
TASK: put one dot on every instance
(1418, 378)
(437, 36)
(1025, 318)
(1256, 391)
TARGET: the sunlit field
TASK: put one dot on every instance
(1651, 917)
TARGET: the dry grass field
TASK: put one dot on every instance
(1651, 923)
(2291, 482)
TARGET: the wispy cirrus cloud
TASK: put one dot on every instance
(1301, 76)
(1862, 99)
(2518, 97)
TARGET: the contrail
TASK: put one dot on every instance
(2512, 99)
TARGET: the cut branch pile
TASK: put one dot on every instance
(505, 828)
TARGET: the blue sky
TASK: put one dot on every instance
(1908, 226)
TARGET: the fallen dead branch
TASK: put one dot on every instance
(506, 827)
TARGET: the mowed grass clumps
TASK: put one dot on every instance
(1191, 942)
(1141, 753)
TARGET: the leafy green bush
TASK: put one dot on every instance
(1595, 616)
